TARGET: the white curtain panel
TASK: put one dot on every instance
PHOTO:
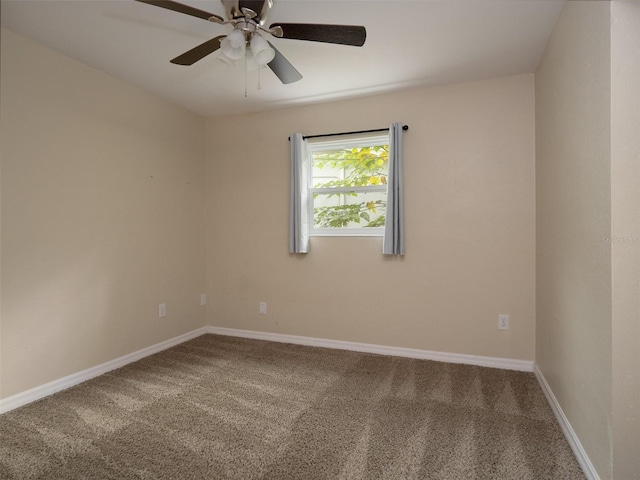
(393, 242)
(298, 209)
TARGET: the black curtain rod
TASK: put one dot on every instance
(404, 127)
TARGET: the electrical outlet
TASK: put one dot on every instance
(503, 322)
(203, 299)
(263, 308)
(162, 310)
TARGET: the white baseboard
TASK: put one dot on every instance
(50, 388)
(494, 362)
(47, 389)
(567, 429)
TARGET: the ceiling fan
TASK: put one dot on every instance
(248, 18)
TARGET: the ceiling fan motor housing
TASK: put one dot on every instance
(234, 9)
(247, 26)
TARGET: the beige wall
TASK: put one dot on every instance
(469, 172)
(625, 233)
(102, 217)
(573, 213)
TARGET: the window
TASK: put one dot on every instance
(348, 185)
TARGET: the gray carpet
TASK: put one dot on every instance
(229, 408)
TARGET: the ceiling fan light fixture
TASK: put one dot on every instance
(262, 52)
(223, 58)
(236, 39)
(228, 49)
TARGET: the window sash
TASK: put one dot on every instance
(347, 232)
(343, 143)
(337, 190)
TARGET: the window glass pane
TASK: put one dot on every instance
(363, 165)
(349, 210)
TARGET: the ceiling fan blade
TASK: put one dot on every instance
(199, 52)
(181, 8)
(315, 32)
(282, 68)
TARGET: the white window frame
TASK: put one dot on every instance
(342, 143)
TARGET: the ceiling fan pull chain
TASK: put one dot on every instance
(245, 76)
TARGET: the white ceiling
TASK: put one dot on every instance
(409, 43)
